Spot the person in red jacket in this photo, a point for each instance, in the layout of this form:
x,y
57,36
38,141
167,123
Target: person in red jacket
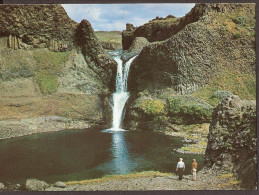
x,y
194,169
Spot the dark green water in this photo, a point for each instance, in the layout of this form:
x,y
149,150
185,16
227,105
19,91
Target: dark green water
x,y
83,154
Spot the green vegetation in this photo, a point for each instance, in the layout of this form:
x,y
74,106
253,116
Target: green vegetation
x,y
241,20
48,66
48,83
15,64
164,21
236,35
109,36
243,85
226,175
153,107
191,110
143,93
49,61
236,23
120,177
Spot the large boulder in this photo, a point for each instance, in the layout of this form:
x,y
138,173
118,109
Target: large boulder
x,y
35,185
2,186
138,44
60,184
232,139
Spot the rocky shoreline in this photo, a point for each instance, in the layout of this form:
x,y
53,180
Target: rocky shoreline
x,y
194,137
28,126
207,179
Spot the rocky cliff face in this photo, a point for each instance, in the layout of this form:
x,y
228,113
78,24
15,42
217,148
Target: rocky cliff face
x,y
42,26
211,39
232,139
97,59
160,29
53,68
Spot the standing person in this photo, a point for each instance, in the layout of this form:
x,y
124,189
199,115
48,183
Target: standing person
x,y
180,168
194,169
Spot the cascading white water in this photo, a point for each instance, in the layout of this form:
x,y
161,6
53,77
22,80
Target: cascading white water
x,y
121,95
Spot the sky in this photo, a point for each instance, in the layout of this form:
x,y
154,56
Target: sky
x,y
108,17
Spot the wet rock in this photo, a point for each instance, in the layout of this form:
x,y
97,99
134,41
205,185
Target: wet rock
x,y
135,48
127,55
60,184
35,185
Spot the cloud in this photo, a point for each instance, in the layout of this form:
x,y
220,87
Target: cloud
x,y
79,12
109,17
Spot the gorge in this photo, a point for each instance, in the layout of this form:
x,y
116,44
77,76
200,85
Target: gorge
x,y
181,87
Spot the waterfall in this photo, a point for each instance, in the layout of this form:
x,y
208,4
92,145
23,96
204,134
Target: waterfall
x,y
121,95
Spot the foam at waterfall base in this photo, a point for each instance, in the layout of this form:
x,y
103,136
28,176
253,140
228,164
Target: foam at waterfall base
x,y
113,130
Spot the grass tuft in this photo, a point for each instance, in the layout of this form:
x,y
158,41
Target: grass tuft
x,y
226,175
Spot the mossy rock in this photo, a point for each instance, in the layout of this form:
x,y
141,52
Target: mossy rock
x,y
189,112
153,107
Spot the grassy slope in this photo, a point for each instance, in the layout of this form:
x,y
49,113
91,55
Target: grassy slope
x,y
238,24
42,64
109,36
48,66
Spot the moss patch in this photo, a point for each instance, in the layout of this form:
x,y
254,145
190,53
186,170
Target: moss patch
x,y
49,61
48,66
240,22
48,83
154,107
191,111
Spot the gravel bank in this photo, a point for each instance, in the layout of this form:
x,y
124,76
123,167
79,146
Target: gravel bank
x,y
206,180
17,128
